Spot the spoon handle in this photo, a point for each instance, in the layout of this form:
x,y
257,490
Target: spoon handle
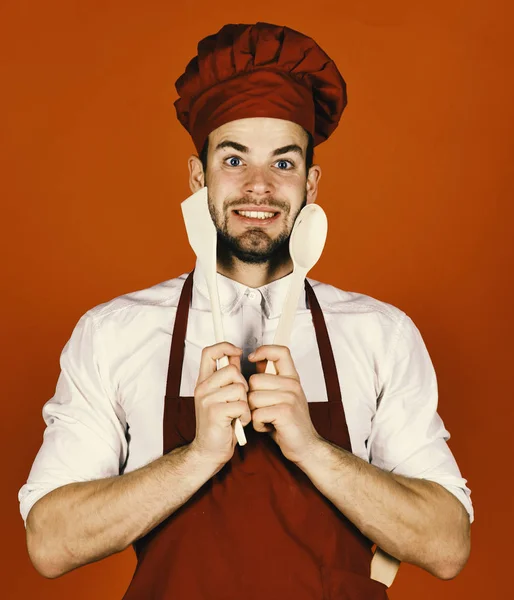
x,y
285,324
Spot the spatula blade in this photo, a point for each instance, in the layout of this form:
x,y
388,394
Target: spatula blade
x,y
200,228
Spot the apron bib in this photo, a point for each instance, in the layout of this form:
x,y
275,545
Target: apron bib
x,y
259,529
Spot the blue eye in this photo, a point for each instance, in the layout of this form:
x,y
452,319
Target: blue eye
x,y
284,165
233,161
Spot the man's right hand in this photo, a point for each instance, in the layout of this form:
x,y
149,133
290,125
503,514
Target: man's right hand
x,y
220,397
84,521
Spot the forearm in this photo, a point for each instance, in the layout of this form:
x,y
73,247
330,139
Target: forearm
x,y
414,520
83,522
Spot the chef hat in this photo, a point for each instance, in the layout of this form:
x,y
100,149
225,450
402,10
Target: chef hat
x,y
260,70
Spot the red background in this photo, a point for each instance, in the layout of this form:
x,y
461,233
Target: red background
x,y
417,186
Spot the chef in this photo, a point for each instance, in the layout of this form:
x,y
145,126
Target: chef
x,y
345,447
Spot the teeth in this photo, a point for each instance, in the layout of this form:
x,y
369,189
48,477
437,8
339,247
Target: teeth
x,y
255,215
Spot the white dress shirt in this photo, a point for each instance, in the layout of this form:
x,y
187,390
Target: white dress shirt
x,y
105,417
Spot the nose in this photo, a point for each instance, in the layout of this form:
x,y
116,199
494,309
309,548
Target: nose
x,y
258,181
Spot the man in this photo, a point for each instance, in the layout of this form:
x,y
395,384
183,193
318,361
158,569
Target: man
x,y
345,447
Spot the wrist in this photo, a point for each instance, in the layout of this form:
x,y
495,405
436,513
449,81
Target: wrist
x,y
202,459
313,454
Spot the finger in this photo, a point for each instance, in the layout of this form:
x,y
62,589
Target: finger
x,y
230,393
219,379
262,418
266,381
236,361
260,399
262,427
210,354
280,355
235,410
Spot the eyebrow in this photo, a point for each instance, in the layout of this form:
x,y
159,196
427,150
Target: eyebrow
x,y
234,145
245,149
286,149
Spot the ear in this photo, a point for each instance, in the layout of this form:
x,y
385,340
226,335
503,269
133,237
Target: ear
x,y
196,174
311,186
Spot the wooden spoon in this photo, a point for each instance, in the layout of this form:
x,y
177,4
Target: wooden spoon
x,y
305,247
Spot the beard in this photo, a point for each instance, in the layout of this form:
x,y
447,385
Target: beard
x,y
254,246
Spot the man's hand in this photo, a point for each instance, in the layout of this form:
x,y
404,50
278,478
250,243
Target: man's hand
x,y
279,405
220,397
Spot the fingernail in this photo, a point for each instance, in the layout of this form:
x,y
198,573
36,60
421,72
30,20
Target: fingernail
x,y
251,355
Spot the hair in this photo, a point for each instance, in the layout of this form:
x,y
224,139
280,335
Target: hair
x,y
309,156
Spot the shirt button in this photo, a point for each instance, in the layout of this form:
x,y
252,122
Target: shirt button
x,y
253,340
251,295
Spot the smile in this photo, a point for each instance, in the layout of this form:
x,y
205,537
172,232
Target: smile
x,y
254,217
255,214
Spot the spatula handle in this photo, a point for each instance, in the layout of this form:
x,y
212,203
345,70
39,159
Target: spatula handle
x,y
223,361
238,426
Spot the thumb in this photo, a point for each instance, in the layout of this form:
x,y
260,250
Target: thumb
x,y
236,361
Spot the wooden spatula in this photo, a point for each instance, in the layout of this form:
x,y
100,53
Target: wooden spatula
x,y
202,236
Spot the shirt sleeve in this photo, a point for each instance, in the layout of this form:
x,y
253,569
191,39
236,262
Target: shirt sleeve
x,y
408,437
84,437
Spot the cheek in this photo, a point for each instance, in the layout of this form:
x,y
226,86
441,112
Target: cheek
x,y
292,190
221,192
293,182
222,184
216,187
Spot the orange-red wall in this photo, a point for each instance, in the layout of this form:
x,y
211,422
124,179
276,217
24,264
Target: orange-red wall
x,y
417,185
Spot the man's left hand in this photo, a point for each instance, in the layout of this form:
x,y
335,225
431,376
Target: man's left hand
x,y
279,405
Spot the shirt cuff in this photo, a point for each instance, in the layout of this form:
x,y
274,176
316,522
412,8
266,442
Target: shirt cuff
x,y
29,495
461,493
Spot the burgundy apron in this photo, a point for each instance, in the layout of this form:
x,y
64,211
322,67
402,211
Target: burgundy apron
x,y
259,529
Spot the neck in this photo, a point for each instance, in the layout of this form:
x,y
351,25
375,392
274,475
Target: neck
x,y
254,275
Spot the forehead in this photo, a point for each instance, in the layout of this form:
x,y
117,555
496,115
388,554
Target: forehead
x,y
260,132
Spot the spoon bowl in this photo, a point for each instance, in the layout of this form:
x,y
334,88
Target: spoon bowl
x,y
308,236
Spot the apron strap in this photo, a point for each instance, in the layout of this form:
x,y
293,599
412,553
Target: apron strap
x,y
325,347
178,339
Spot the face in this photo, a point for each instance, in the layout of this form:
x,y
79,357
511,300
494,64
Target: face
x,y
257,184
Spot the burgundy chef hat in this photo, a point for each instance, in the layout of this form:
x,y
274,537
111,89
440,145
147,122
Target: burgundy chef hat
x,y
260,70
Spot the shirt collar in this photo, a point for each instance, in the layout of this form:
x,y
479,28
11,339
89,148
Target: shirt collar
x,y
232,293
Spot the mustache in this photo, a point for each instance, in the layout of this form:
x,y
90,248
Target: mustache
x,y
269,202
